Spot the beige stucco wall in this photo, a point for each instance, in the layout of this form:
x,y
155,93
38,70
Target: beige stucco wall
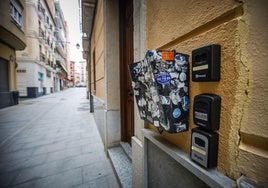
x,y
105,46
186,25
97,44
31,51
253,146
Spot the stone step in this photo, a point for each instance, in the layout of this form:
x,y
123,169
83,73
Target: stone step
x,y
127,149
122,165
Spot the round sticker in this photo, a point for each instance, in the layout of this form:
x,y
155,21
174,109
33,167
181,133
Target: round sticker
x,y
163,78
151,53
179,59
182,76
176,113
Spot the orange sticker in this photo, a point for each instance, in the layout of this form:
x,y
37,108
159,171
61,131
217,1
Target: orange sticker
x,y
168,56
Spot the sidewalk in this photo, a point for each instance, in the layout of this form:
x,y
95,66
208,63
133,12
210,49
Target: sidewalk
x,y
53,141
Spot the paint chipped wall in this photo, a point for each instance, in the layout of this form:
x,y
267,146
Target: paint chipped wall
x,y
186,25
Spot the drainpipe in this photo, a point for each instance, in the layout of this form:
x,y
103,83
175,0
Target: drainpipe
x,y
91,104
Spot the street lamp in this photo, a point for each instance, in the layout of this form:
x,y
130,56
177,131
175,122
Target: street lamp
x,y
77,46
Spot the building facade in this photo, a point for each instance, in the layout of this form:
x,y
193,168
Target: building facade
x,y
61,48
81,73
41,66
12,38
120,33
72,74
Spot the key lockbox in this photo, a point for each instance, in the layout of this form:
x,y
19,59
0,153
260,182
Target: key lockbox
x,y
204,147
206,111
206,63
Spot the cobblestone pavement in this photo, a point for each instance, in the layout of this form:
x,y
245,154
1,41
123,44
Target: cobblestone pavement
x,y
53,141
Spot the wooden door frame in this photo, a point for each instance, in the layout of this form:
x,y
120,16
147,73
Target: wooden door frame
x,y
123,74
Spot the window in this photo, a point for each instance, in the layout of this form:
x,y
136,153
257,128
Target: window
x,y
16,12
47,20
21,71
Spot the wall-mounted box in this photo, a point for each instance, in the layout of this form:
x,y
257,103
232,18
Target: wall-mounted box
x,y
204,147
206,62
206,111
161,85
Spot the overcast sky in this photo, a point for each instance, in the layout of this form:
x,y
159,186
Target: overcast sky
x,y
70,9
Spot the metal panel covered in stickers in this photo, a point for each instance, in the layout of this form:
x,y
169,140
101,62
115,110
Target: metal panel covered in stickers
x,y
161,87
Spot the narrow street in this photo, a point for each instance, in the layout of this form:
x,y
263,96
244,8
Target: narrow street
x,y
53,141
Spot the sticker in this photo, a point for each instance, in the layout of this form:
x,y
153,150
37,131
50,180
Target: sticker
x,y
163,78
180,59
176,113
201,116
183,76
168,56
201,67
186,103
202,152
180,126
151,53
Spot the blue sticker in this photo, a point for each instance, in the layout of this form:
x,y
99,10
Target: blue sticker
x,y
163,78
183,77
151,53
186,103
179,57
176,113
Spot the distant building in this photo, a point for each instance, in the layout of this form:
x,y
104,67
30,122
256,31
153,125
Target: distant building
x,y
72,74
81,73
42,67
67,58
61,47
12,38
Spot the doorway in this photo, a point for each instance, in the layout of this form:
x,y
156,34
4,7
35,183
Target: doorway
x,y
126,58
4,83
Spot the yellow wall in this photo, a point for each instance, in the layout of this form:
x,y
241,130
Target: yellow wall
x,y
97,44
9,54
253,146
186,25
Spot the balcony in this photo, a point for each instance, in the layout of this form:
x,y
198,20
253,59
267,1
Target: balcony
x,y
42,57
50,30
41,11
51,48
41,34
61,71
61,49
60,61
85,43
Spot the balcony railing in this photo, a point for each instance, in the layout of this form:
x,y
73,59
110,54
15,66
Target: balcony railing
x,y
60,60
41,10
42,57
61,49
41,33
